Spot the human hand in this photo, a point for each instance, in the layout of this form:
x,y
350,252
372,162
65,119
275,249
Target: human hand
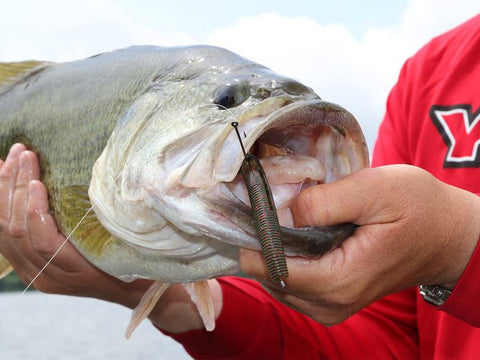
x,y
29,237
413,229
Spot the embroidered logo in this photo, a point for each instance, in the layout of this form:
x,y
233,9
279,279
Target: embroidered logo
x,y
458,127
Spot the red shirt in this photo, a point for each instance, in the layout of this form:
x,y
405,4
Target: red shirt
x,y
432,121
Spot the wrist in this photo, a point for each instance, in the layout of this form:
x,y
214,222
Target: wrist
x,y
460,304
464,232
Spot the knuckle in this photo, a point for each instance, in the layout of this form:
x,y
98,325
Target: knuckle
x,y
43,247
17,229
306,205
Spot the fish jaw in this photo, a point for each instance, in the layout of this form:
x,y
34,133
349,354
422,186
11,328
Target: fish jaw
x,y
299,143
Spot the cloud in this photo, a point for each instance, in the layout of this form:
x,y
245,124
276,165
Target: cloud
x,y
58,30
356,73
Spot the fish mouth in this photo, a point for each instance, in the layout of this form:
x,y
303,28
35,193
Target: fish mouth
x,y
302,144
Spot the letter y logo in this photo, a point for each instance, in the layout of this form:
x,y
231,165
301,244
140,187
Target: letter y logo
x,y
458,127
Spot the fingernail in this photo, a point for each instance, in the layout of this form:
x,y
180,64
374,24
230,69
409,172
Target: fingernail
x,y
15,150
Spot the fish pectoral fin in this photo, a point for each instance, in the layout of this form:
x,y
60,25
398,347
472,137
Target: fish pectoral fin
x,y
201,296
5,267
146,305
90,236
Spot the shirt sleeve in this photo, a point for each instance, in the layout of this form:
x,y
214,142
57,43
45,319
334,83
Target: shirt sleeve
x,y
253,325
462,302
393,147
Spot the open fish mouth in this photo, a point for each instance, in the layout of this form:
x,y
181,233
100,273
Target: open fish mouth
x,y
302,144
202,205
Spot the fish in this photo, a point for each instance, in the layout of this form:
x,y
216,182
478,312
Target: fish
x,y
136,148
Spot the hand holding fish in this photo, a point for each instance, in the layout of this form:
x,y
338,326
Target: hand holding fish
x,y
29,237
412,229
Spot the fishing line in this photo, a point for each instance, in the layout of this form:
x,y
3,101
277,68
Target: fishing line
x,y
19,298
57,251
30,284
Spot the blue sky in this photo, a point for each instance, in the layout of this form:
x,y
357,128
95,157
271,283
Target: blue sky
x,y
349,51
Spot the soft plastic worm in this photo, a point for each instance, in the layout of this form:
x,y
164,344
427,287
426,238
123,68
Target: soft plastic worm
x,y
264,215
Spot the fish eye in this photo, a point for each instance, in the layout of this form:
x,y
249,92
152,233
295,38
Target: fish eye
x,y
228,96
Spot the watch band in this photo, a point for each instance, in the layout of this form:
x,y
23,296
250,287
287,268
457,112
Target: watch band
x,y
434,294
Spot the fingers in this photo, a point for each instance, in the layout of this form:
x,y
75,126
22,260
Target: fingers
x,y
27,171
253,264
25,212
293,295
313,287
303,272
44,236
361,198
8,177
322,312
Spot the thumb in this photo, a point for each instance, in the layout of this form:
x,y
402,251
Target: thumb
x,y
363,197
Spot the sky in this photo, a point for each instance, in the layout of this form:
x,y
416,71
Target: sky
x,y
349,51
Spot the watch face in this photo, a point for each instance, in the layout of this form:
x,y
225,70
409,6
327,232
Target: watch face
x,y
435,294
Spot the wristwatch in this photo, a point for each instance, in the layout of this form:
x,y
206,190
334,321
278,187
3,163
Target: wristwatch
x,y
434,294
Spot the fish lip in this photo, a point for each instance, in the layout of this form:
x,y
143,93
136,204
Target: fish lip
x,y
309,113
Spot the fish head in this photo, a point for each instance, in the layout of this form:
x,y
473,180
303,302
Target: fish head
x,y
167,184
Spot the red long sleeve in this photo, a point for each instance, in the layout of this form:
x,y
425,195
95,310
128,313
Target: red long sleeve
x,y
430,118
253,325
